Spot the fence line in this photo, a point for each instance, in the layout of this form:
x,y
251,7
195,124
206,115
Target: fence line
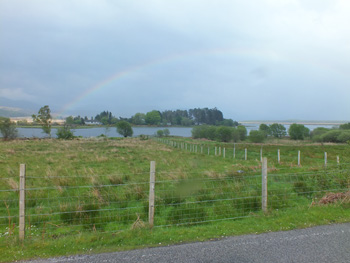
x,y
199,198
217,152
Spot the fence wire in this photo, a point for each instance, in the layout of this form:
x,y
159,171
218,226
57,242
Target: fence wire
x,y
68,205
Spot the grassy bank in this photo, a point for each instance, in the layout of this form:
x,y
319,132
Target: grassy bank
x,y
93,193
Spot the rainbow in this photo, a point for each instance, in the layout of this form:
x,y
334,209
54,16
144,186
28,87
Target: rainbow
x,y
255,53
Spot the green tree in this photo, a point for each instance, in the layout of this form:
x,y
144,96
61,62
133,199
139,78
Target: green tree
x,y
153,118
265,128
7,129
139,119
186,121
298,132
278,130
44,119
257,136
70,120
124,128
345,126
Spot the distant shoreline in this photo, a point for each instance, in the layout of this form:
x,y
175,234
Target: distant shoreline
x,y
298,122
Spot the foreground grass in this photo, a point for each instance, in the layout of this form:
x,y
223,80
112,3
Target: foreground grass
x,y
57,170
89,243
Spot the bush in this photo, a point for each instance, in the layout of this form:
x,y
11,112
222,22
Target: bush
x,y
344,137
160,133
204,131
166,132
298,132
331,136
242,132
265,128
124,128
65,133
277,130
257,136
224,134
345,126
235,135
8,129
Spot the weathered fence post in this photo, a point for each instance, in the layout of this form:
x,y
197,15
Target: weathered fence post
x,y
234,151
279,156
325,159
245,154
264,186
152,182
299,162
220,150
261,154
208,150
338,160
216,149
201,148
224,152
22,201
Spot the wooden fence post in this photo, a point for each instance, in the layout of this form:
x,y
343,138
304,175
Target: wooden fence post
x,y
224,152
234,151
152,182
338,160
264,186
220,150
216,149
208,150
279,156
299,161
202,149
261,154
245,154
325,159
22,201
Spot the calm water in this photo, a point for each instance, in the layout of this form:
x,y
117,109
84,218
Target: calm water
x,y
112,132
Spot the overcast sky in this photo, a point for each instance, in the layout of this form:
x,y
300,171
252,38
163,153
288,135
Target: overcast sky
x,y
252,59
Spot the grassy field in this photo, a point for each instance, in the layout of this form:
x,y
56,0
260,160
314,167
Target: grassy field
x,y
91,195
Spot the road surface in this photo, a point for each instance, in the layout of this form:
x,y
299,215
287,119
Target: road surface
x,y
329,244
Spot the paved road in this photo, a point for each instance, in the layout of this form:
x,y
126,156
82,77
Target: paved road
x,y
318,244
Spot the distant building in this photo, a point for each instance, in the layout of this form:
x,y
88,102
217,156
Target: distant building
x,y
92,122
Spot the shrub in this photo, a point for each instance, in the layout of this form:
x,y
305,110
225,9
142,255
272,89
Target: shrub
x,y
8,129
242,132
166,132
331,136
298,132
235,135
345,126
224,134
257,136
160,133
65,133
277,130
124,128
344,137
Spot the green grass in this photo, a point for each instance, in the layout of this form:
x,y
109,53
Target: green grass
x,y
87,193
88,243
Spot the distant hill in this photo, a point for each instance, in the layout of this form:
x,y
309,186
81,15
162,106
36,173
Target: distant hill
x,y
9,112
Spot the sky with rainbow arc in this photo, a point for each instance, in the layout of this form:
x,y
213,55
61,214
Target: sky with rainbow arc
x,y
253,60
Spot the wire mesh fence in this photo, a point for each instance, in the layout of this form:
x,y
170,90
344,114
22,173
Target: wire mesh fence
x,y
66,205
297,155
